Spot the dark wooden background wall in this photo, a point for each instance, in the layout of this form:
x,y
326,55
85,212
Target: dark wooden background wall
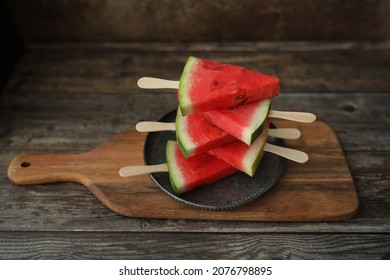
x,y
59,21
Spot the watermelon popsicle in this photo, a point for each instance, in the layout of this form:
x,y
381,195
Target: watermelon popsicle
x,y
157,83
246,122
247,158
206,85
186,174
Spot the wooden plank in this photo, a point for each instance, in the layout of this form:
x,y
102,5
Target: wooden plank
x,y
108,245
113,70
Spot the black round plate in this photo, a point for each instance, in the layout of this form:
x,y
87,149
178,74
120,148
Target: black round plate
x,y
230,192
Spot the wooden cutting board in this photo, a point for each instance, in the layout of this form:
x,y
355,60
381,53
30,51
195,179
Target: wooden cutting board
x,y
320,190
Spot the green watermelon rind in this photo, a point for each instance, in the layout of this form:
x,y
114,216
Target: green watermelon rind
x,y
253,130
186,146
176,178
185,85
182,146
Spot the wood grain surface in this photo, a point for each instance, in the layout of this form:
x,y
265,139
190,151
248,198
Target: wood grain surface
x,y
202,246
73,98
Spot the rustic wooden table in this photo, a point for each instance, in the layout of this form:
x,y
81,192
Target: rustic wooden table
x,y
72,98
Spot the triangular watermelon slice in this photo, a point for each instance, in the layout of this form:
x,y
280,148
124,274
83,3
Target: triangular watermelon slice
x,y
244,122
206,85
188,173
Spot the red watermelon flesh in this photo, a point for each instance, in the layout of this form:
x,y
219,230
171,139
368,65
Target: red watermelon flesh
x,y
196,134
245,122
206,85
188,173
241,156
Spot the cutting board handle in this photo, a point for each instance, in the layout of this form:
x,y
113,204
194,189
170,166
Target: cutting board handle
x,y
39,168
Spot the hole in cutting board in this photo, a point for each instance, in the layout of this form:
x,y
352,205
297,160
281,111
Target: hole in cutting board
x,y
25,164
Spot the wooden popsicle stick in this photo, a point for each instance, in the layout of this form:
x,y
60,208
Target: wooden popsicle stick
x,y
288,153
291,154
128,171
156,83
293,116
145,126
285,133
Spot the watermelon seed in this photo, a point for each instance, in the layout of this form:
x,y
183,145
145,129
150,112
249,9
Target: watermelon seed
x,y
241,99
214,84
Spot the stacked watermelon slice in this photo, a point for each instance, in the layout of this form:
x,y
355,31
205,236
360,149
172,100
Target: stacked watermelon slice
x,y
221,122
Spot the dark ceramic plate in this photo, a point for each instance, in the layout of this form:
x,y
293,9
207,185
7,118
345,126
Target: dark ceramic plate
x,y
230,192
